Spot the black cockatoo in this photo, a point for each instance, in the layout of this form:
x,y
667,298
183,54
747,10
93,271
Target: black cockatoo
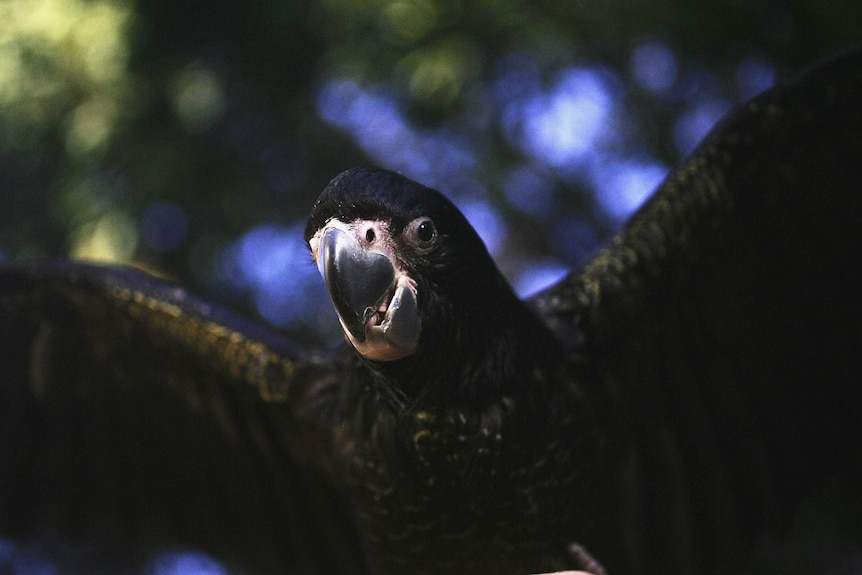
x,y
665,409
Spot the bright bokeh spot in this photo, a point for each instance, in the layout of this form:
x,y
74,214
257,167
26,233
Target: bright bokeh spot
x,y
560,126
272,264
654,67
112,237
691,127
436,74
487,223
374,118
410,20
538,275
198,98
185,563
753,76
82,49
90,127
623,185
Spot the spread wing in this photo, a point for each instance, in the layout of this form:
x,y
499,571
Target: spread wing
x,y
723,326
136,419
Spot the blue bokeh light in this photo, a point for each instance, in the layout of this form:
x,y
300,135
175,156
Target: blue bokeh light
x,y
272,263
561,126
18,559
50,556
164,226
622,185
690,128
185,563
374,118
572,126
753,76
537,275
487,223
654,67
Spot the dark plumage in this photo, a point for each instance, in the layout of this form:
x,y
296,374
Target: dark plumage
x,y
659,411
444,444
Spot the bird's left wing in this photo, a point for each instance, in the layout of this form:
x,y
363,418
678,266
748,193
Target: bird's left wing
x,y
137,419
721,327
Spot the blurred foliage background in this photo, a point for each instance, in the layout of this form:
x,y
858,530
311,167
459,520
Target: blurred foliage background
x,y
191,138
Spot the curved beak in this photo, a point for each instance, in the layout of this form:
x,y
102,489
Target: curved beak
x,y
358,279
376,300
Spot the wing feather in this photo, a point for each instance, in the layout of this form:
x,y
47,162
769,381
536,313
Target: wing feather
x,y
723,325
137,417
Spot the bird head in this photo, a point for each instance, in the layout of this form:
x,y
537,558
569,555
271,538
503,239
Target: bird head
x,y
400,261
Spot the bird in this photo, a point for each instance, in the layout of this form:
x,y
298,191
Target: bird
x,y
670,407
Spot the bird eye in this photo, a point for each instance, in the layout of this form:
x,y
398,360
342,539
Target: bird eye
x,y
425,231
422,231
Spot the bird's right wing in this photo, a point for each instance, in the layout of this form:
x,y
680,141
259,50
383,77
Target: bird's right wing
x,y
720,333
136,419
